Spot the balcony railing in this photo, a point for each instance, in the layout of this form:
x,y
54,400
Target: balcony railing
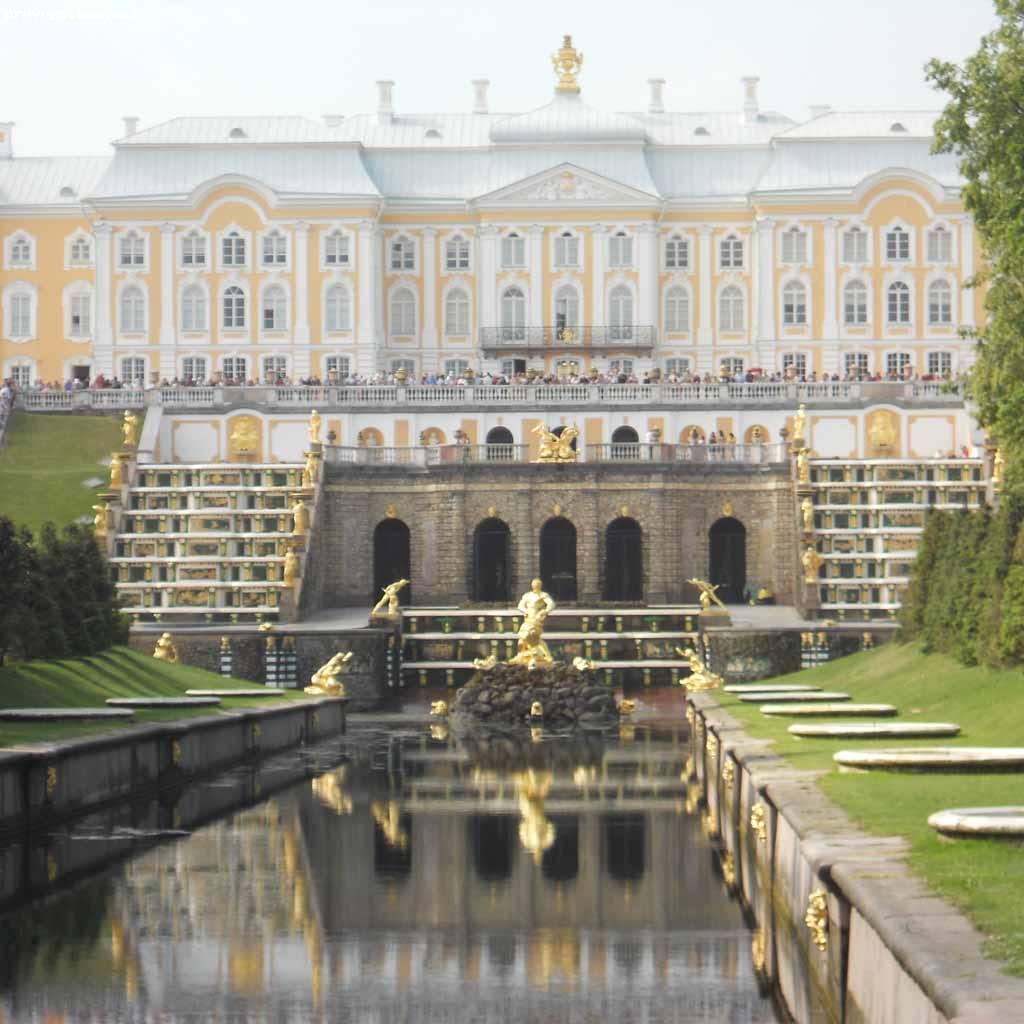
x,y
568,339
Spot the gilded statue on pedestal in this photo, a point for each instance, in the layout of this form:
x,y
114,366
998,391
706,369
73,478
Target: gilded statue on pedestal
x,y
165,649
130,429
389,598
326,680
701,677
556,447
314,427
707,593
535,606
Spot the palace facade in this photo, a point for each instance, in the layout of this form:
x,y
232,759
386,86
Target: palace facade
x,y
564,239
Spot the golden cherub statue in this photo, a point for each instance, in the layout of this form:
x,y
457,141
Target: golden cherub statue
x,y
556,447
326,680
707,593
291,568
807,511
535,606
800,423
300,518
165,649
700,677
130,429
811,561
389,598
314,427
99,522
116,471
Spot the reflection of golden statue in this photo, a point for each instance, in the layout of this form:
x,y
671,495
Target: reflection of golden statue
x,y
535,606
556,447
568,63
99,522
799,423
388,817
116,471
812,563
291,568
807,511
165,649
326,680
314,427
701,678
330,790
707,593
389,598
130,429
536,832
300,518
803,466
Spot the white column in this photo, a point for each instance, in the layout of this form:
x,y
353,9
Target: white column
x,y
765,280
103,349
967,272
368,332
167,335
599,247
704,269
536,258
830,327
429,288
647,274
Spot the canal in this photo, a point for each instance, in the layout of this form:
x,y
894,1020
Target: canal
x,y
395,874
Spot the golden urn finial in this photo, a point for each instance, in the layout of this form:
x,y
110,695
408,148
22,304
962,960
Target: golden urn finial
x,y
567,64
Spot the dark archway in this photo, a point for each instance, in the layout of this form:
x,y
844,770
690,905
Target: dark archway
x,y
558,558
492,544
500,445
392,559
728,559
625,846
623,561
561,862
492,842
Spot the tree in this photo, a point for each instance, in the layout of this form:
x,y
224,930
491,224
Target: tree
x,y
983,124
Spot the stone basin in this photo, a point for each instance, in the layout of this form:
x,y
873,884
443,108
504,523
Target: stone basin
x,y
934,759
258,691
768,688
791,698
62,714
163,702
871,730
823,710
980,821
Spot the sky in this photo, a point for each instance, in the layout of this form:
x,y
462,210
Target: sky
x,y
70,71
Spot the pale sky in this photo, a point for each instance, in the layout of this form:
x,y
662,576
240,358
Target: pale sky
x,y
70,71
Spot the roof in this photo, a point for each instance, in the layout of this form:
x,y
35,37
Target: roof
x,y
38,181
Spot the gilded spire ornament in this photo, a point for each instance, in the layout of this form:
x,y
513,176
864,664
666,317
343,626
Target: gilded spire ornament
x,y
567,64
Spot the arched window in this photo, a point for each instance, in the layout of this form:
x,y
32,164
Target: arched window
x,y
133,310
940,245
456,312
275,309
234,308
513,314
794,245
193,250
275,249
730,309
513,250
403,254
567,309
897,244
940,303
336,249
456,253
193,309
338,308
620,250
232,250
567,250
855,245
131,250
794,304
677,253
855,303
677,309
620,309
898,304
19,253
403,312
133,370
730,253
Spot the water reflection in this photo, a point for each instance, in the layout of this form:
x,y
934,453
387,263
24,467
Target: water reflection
x,y
425,879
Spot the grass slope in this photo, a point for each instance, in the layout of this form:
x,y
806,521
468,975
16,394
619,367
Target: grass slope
x,y
44,462
88,682
984,877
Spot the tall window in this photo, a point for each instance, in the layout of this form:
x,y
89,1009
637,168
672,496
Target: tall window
x,y
403,254
336,249
794,304
730,253
193,309
275,309
940,245
341,366
456,253
403,312
274,368
620,306
897,364
856,364
513,251
21,315
20,252
677,253
338,308
730,309
193,368
456,312
897,244
898,303
236,368
81,251
855,245
131,250
234,308
677,367
794,245
795,362
133,370
855,303
513,314
133,310
677,309
940,303
455,367
940,364
567,250
81,316
275,249
232,250
620,250
193,250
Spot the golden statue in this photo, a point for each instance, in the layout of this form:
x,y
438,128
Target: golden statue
x,y
116,471
807,511
309,471
707,593
389,598
556,447
803,466
326,680
812,563
300,518
291,568
314,427
535,606
701,677
99,522
799,423
567,63
130,429
536,832
165,649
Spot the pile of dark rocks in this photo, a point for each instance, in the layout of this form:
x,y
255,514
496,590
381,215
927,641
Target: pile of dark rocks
x,y
506,693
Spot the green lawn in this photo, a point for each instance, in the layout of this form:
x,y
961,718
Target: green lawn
x,y
88,682
984,877
45,461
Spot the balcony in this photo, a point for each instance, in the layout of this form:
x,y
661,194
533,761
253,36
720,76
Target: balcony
x,y
559,338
